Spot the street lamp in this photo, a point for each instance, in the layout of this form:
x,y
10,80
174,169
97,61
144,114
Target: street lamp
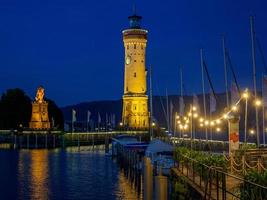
x,y
258,102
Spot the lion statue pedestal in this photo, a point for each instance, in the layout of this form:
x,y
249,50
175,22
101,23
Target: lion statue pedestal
x,y
39,119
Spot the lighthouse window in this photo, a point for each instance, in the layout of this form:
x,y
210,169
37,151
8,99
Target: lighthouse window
x,y
142,61
134,46
142,47
134,74
127,89
127,46
134,60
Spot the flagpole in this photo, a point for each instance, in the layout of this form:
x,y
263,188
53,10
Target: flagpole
x,y
254,75
181,92
175,125
98,123
203,90
191,126
151,105
225,71
246,117
167,107
87,123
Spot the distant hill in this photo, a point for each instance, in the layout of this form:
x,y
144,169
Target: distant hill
x,y
159,108
109,107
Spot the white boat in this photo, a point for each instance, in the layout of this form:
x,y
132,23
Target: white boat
x,y
161,155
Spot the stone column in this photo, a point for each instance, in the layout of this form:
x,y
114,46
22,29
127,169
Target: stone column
x,y
233,124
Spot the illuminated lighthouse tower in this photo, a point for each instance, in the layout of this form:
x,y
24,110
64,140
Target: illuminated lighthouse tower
x,y
135,100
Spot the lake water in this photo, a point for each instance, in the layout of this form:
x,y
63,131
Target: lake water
x,y
62,174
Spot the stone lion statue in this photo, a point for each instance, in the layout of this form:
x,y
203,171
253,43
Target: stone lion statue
x,y
40,95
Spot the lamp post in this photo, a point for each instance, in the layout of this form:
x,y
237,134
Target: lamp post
x,y
246,96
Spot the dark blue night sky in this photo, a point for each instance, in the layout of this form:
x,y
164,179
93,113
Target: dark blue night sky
x,y
74,48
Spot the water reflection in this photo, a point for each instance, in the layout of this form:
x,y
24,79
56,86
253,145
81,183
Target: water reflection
x,y
65,174
33,174
129,187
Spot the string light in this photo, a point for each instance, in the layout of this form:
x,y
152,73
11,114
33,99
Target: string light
x,y
218,129
234,108
257,102
218,121
245,95
251,131
224,116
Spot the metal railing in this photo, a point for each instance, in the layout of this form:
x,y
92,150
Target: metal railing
x,y
218,184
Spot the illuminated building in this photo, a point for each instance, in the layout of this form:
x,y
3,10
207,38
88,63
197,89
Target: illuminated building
x,y
135,100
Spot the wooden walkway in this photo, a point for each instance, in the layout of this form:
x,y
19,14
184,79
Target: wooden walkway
x,y
215,189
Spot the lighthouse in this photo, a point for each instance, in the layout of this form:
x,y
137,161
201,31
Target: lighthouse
x,y
135,99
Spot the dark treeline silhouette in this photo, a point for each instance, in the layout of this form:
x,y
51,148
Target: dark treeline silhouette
x,y
16,108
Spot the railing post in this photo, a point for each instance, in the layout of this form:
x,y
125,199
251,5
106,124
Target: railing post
x,y
217,184
223,187
243,165
193,172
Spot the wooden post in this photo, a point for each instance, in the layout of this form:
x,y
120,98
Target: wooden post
x,y
148,179
161,187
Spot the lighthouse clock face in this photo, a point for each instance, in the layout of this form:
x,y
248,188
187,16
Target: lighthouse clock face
x,y
128,60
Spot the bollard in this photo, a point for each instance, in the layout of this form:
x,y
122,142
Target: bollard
x,y
106,145
161,187
148,179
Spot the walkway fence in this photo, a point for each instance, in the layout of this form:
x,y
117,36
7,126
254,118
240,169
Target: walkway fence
x,y
215,183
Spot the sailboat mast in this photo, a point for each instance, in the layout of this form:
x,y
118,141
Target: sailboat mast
x,y
254,75
181,97
225,72
151,105
167,108
203,90
263,111
181,83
